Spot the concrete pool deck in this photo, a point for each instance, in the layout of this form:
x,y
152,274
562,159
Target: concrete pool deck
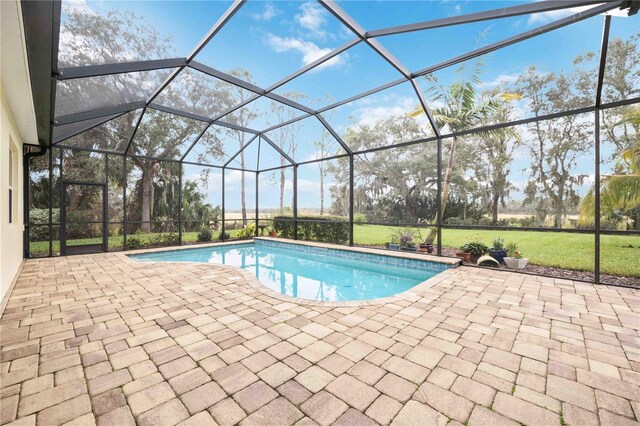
x,y
105,339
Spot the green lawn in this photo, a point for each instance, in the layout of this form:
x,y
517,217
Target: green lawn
x,y
562,250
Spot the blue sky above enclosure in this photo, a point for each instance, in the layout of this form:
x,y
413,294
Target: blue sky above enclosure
x,y
271,40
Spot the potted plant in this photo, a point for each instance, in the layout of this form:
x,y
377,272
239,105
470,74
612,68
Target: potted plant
x,y
515,259
498,251
405,240
464,254
393,243
409,247
472,251
272,232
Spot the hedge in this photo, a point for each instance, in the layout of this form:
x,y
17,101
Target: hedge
x,y
332,229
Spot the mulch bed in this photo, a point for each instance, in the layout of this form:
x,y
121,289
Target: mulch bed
x,y
569,274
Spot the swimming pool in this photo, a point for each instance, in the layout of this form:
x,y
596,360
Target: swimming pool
x,y
310,272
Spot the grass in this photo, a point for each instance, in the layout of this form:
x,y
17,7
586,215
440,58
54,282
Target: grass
x,y
561,250
115,242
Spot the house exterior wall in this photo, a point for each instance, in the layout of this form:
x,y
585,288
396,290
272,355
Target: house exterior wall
x,y
11,233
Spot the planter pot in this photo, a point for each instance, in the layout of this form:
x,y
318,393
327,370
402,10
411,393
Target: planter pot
x,y
386,245
408,248
273,234
514,263
498,255
426,248
466,257
394,247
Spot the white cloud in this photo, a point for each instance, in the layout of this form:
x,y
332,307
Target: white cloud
x,y
312,18
77,5
269,12
552,15
393,106
309,50
499,80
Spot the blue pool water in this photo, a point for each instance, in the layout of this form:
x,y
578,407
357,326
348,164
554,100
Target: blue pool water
x,y
312,272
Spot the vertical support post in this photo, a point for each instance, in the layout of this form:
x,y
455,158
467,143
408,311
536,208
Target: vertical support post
x,y
351,200
257,189
597,196
257,198
601,70
439,198
105,207
180,203
222,227
50,202
295,202
124,202
62,230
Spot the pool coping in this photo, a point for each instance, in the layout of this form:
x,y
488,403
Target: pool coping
x,y
380,252
252,280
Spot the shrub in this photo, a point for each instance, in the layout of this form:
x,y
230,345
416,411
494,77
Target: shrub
x,y
476,248
469,221
248,231
334,229
360,218
41,216
204,235
453,221
485,221
527,222
168,239
134,243
224,236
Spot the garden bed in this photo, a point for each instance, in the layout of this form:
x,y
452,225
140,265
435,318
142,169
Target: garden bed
x,y
570,274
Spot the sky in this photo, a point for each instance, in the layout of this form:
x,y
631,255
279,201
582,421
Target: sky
x,y
273,39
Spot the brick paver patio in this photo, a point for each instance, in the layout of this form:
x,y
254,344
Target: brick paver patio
x,y
103,339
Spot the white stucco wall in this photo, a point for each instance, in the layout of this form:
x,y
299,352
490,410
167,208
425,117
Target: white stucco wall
x,y
10,233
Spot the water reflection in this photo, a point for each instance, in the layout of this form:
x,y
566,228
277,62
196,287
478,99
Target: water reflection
x,y
304,275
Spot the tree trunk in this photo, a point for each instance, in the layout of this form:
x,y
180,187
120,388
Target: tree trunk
x,y
243,192
321,189
147,200
431,233
282,178
494,208
558,216
447,176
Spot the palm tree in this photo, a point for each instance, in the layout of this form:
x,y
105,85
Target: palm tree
x,y
458,107
620,191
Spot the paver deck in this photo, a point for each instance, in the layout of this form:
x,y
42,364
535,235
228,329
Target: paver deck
x,y
102,339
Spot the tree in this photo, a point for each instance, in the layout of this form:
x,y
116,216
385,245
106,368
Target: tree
x,y
322,151
493,156
555,145
195,209
243,117
460,109
388,185
286,137
97,39
619,191
621,77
